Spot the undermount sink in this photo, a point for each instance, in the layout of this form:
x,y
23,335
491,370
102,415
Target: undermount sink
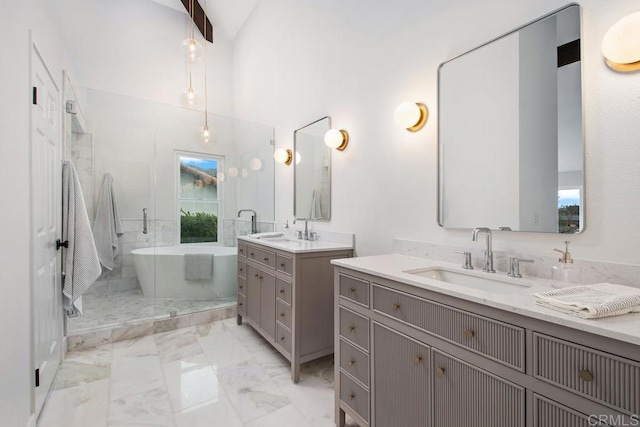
x,y
474,281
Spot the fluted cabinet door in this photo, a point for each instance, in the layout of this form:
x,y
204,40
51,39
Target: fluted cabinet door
x,y
253,294
401,371
268,303
464,395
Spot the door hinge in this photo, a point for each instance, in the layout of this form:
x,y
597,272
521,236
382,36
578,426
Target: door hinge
x,y
37,377
35,96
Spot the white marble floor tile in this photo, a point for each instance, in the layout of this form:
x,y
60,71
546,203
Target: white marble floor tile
x,y
137,347
72,373
223,349
190,382
80,406
287,416
151,407
250,390
133,375
216,413
313,398
100,355
177,345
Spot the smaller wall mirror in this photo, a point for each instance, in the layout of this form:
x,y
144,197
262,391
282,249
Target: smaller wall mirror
x,y
312,172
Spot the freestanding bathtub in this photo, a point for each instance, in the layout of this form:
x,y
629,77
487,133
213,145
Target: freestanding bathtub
x,y
166,265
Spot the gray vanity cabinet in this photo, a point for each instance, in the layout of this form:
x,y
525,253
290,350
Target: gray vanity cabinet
x,y
288,299
410,357
401,368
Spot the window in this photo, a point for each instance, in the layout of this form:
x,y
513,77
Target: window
x,y
199,198
569,211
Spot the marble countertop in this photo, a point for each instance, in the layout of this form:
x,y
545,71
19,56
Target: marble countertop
x,y
393,267
297,246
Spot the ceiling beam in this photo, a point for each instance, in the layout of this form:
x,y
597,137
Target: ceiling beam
x,y
199,17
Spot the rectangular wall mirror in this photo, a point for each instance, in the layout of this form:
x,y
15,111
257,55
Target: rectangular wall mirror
x,y
510,143
312,172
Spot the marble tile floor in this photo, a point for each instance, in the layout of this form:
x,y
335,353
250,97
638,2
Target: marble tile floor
x,y
216,374
115,308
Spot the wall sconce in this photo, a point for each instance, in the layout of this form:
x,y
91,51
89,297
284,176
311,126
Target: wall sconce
x,y
411,115
336,138
255,164
283,156
621,44
233,172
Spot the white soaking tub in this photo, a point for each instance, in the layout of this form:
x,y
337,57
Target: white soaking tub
x,y
166,265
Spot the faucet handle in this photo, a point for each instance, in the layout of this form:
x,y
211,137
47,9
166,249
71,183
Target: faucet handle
x,y
468,264
300,234
313,236
514,266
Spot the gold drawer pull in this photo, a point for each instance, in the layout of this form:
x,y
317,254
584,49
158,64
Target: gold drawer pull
x,y
241,269
352,396
352,362
469,333
417,359
352,290
241,287
257,275
396,306
282,291
282,314
261,277
240,304
251,254
266,259
352,328
282,338
282,264
440,371
586,375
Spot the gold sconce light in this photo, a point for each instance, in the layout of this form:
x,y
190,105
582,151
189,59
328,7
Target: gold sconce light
x,y
411,115
282,155
336,138
621,44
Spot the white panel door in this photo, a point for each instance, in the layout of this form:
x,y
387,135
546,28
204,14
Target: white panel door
x,y
45,208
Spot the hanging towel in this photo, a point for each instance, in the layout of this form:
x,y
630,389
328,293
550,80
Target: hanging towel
x,y
198,266
107,225
80,263
316,210
592,301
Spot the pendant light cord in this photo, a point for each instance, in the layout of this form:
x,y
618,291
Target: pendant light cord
x,y
204,54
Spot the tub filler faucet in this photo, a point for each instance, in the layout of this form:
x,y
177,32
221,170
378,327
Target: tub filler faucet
x,y
254,223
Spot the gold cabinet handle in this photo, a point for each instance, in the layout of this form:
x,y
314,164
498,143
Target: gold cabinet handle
x,y
241,269
352,328
352,290
282,291
585,375
240,304
282,338
241,287
282,314
440,371
396,306
469,333
352,396
261,277
266,259
251,254
352,362
417,359
282,264
257,275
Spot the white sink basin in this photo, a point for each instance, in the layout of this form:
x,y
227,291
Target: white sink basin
x,y
488,283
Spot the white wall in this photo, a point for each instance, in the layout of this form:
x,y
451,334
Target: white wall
x,y
16,366
297,60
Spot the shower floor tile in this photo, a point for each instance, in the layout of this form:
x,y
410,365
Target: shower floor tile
x,y
119,307
200,388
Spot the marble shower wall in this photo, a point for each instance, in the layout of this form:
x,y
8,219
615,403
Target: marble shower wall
x,y
232,228
591,271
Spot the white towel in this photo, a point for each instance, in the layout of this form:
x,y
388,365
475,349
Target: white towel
x,y
80,263
107,226
316,210
592,301
198,266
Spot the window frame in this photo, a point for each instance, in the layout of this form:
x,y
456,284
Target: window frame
x,y
219,201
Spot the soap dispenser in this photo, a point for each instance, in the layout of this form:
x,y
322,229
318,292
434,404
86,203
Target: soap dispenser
x,y
565,273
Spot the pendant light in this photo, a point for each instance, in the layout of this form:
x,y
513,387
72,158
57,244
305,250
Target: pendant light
x,y
189,97
207,140
191,48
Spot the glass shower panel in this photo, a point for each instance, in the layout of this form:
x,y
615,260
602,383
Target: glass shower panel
x,y
117,143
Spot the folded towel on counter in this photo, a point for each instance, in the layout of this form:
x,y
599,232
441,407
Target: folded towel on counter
x,y
198,266
592,301
269,235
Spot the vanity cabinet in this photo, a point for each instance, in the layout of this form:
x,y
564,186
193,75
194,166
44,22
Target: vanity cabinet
x,y
423,358
288,298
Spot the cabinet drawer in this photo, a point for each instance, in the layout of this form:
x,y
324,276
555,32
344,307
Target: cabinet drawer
x,y
242,286
549,413
354,396
242,269
283,290
283,314
263,257
242,249
354,289
284,264
605,378
355,362
242,304
499,341
283,338
354,328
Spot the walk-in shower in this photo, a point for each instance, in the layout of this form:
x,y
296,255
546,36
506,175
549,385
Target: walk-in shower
x,y
177,197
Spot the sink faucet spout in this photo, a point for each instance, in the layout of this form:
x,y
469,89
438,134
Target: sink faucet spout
x,y
488,254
